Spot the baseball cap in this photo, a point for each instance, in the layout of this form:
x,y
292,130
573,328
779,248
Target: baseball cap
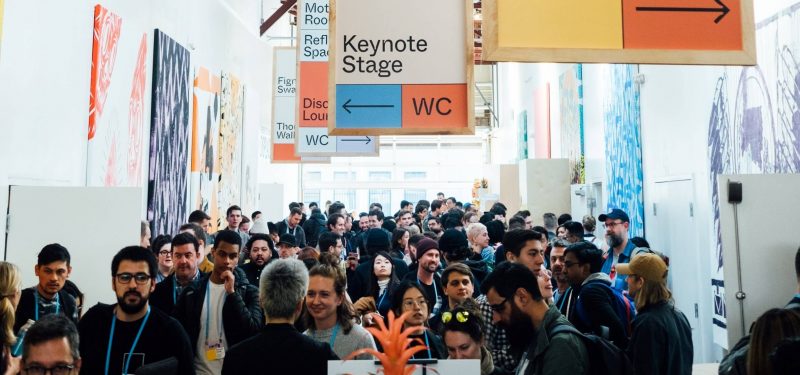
x,y
287,239
615,214
647,265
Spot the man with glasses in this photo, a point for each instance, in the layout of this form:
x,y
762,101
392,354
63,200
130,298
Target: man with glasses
x,y
185,254
517,305
620,249
121,338
590,304
51,345
221,309
48,296
526,248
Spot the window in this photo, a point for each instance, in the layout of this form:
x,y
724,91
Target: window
x,y
414,176
311,195
380,176
343,176
382,196
414,195
346,196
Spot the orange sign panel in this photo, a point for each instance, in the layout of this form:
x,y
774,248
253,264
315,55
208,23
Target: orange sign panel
x,y
717,32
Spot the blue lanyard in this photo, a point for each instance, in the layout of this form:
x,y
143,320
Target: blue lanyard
x,y
133,347
428,345
36,297
564,297
174,290
333,336
208,314
383,297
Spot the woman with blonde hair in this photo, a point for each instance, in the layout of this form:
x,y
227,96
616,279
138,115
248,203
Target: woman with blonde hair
x,y
10,292
478,237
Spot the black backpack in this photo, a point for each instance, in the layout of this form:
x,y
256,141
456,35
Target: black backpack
x,y
604,357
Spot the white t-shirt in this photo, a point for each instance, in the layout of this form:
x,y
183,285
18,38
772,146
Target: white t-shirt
x,y
216,332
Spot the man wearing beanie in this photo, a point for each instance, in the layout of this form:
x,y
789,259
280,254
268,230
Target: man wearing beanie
x,y
429,259
375,239
455,249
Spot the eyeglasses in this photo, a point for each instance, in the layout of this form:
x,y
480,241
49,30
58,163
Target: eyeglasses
x,y
55,370
461,316
568,264
410,303
611,225
125,278
165,252
500,306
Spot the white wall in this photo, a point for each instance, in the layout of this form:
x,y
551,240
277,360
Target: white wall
x,y
45,73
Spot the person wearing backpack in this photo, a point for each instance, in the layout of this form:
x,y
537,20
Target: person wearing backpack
x,y
512,291
661,341
598,308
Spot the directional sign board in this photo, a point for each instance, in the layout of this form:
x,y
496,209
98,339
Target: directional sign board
x,y
401,67
284,95
312,132
716,32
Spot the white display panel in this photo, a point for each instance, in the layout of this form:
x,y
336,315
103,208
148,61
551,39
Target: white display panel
x,y
460,367
93,223
767,233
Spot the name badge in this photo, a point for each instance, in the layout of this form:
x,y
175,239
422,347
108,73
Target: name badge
x,y
215,352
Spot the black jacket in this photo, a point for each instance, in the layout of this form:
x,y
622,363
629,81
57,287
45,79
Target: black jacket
x,y
598,304
26,309
358,280
661,342
278,349
164,296
298,233
241,315
313,228
253,272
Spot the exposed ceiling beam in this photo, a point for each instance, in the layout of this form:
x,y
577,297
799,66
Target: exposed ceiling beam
x,y
285,6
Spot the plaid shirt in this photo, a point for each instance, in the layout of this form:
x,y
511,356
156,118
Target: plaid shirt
x,y
496,339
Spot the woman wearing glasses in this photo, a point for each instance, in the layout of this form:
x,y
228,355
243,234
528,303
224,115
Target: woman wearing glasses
x,y
410,297
463,335
162,249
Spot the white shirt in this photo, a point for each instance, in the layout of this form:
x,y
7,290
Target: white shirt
x,y
215,330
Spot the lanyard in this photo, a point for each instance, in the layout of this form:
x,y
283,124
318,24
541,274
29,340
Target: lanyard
x,y
208,314
174,290
428,345
333,336
36,311
133,347
383,297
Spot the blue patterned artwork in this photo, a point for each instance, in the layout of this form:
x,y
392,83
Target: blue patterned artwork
x,y
169,137
624,147
571,108
754,125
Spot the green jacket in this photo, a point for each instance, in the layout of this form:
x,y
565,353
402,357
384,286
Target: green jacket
x,y
564,354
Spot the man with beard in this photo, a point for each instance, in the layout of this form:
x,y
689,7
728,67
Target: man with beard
x,y
260,249
524,247
121,338
517,304
48,296
185,255
428,257
619,248
220,310
435,226
557,267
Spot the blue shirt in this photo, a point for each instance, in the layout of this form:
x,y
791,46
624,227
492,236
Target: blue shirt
x,y
620,283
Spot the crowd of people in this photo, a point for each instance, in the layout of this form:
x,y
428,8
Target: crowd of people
x,y
260,297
